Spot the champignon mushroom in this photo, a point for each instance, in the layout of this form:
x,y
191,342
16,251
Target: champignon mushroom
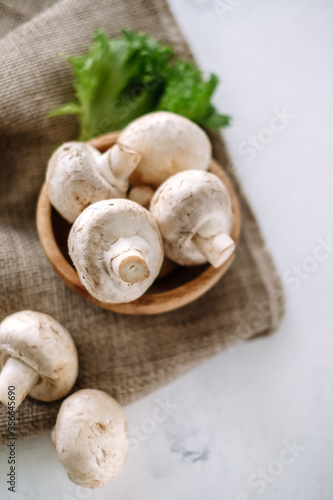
x,y
90,436
194,214
117,250
168,143
38,357
141,195
79,175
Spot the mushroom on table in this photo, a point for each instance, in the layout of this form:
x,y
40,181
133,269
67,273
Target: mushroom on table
x,y
79,175
168,143
194,214
117,250
90,436
38,357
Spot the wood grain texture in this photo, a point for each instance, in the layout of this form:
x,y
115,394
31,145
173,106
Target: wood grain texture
x,y
180,287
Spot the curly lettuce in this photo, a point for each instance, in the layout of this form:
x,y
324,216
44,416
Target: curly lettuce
x,y
120,79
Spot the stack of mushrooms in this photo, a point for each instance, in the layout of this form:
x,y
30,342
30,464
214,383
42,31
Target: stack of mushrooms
x,y
148,197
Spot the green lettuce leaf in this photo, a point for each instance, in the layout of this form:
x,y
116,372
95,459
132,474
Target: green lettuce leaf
x,y
123,78
188,93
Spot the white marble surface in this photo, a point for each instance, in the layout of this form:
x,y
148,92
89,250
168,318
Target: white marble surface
x,y
234,415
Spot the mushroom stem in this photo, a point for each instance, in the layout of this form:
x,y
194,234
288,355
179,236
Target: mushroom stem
x,y
123,161
116,163
216,249
141,195
131,267
127,259
214,245
21,376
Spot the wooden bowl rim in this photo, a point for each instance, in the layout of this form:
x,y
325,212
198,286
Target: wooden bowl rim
x,y
149,303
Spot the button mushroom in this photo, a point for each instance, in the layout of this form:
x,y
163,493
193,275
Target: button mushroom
x,y
194,214
90,437
117,250
79,175
168,143
38,357
141,195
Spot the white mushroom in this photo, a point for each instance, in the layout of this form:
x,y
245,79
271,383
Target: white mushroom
x,y
141,195
38,357
169,143
79,175
117,250
193,211
90,437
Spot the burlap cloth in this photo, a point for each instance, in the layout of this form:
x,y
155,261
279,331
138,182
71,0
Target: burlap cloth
x,y
123,355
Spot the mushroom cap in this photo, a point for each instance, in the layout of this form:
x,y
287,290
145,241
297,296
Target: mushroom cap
x,y
74,182
90,437
182,204
169,143
41,342
93,234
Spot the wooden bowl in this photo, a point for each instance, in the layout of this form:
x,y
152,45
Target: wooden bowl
x,y
180,287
